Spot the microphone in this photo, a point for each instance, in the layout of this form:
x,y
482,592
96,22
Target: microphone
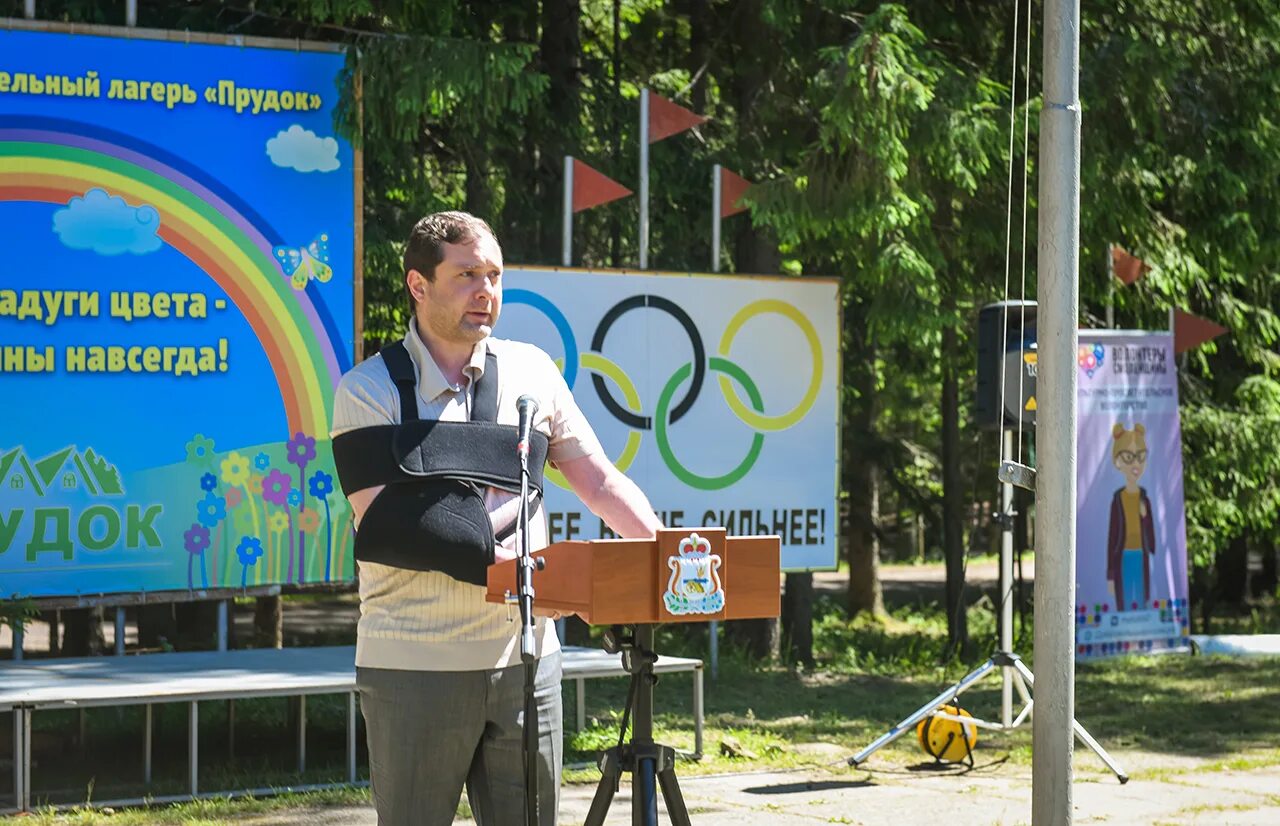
x,y
528,408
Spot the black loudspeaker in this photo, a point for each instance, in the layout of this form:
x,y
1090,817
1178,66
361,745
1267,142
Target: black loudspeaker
x,y
1006,333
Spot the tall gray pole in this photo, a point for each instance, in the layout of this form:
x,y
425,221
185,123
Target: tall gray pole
x,y
715,219
566,227
1006,585
1111,290
644,179
1058,289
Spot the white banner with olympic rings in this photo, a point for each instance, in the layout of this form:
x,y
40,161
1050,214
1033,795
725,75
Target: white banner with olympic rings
x,y
718,395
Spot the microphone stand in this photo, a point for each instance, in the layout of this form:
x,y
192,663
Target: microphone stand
x,y
525,566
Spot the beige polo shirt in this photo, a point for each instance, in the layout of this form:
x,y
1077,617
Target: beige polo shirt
x,y
427,621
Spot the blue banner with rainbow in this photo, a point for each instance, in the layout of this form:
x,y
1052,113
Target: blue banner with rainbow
x,y
177,304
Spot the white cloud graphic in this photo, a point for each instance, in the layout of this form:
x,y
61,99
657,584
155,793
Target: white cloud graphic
x,y
107,225
303,150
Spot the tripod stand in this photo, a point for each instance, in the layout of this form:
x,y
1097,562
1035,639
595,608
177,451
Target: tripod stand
x,y
1014,673
651,765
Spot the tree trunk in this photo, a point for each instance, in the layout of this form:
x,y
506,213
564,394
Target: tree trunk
x,y
197,625
1233,571
156,626
479,197
760,638
516,162
1267,581
560,48
861,479
797,618
84,636
952,495
701,33
268,623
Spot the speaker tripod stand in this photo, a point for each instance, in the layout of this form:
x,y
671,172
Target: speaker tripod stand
x,y
1014,673
651,765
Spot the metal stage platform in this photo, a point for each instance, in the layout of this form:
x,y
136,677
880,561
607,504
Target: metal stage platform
x,y
30,686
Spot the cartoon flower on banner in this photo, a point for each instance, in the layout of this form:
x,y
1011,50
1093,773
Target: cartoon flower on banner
x,y
208,482
211,510
295,498
302,449
200,450
249,551
196,541
235,469
275,487
321,485
262,461
309,521
234,497
277,522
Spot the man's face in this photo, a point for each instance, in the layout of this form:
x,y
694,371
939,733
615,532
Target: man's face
x,y
463,302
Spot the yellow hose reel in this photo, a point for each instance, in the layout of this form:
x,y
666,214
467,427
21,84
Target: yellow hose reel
x,y
946,739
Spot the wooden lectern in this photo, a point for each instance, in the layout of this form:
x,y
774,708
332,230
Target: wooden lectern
x,y
681,575
676,577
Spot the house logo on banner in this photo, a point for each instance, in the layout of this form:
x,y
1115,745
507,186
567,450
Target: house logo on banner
x,y
64,470
671,409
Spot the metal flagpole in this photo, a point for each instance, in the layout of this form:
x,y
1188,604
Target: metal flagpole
x,y
715,218
1111,289
716,184
1006,584
566,238
644,179
1058,288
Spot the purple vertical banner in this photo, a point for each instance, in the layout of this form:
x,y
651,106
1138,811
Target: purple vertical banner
x,y
1131,540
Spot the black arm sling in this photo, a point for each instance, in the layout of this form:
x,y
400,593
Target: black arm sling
x,y
431,516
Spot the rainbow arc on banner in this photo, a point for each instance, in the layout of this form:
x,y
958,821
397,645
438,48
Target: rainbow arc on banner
x,y
52,161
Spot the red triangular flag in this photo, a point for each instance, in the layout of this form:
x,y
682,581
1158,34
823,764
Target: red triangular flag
x,y
667,118
591,188
1191,331
732,187
1127,268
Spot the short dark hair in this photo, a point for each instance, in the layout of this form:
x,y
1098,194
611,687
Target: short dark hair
x,y
425,248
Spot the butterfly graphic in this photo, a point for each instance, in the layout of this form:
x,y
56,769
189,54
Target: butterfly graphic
x,y
305,263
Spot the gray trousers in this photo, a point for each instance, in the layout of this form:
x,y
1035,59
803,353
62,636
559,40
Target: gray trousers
x,y
431,732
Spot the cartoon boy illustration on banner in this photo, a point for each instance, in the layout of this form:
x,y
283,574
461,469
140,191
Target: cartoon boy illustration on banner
x,y
1131,538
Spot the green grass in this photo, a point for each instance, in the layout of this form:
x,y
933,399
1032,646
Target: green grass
x,y
1223,712
209,812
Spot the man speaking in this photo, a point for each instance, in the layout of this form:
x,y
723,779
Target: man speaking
x,y
438,668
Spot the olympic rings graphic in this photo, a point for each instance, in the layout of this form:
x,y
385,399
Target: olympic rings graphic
x,y
682,473
561,324
666,413
699,357
757,419
603,366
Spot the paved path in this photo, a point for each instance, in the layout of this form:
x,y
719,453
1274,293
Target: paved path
x,y
1164,790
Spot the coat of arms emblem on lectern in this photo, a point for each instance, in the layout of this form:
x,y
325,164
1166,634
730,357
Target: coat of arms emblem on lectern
x,y
694,586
